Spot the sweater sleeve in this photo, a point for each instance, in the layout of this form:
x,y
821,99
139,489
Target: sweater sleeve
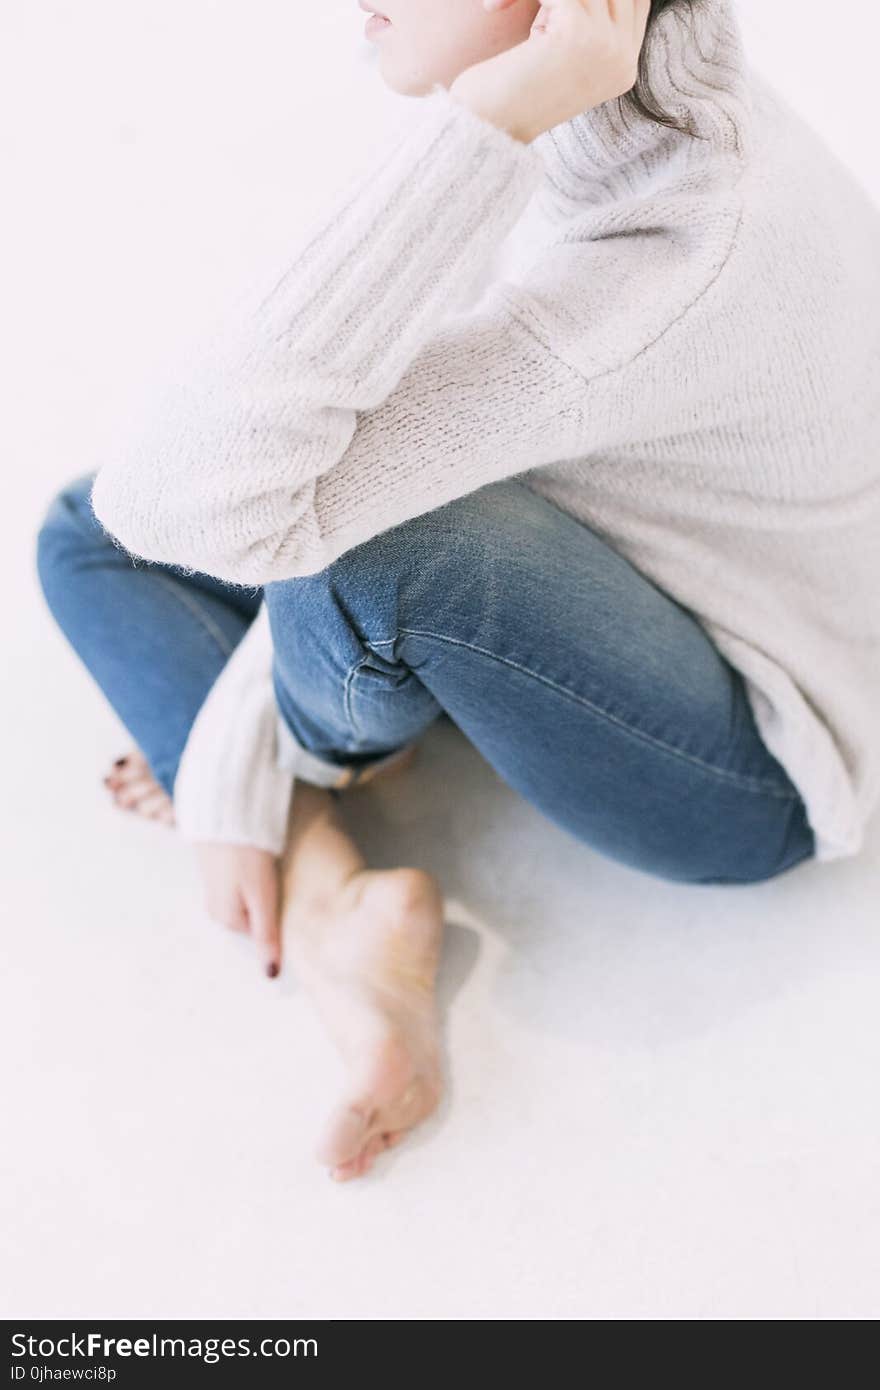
x,y
352,395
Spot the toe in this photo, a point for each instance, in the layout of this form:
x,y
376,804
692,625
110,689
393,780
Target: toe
x,y
358,1166
392,1137
135,792
371,1152
153,804
133,766
344,1137
125,799
344,1172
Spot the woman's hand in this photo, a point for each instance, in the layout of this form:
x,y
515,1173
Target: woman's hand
x,y
579,53
242,892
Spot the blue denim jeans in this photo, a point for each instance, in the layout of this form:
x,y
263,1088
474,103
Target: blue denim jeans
x,y
589,690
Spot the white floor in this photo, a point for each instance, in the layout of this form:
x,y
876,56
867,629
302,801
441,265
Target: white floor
x,y
663,1100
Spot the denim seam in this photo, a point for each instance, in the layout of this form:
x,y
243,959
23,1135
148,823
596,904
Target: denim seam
x,y
743,780
348,693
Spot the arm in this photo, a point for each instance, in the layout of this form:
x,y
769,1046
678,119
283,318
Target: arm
x,y
233,472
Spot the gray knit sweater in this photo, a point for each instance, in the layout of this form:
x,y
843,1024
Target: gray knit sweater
x,y
677,340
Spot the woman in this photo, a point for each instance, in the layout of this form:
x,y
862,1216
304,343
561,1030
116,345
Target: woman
x,y
564,423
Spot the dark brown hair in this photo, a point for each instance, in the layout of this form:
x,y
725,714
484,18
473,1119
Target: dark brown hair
x,y
640,97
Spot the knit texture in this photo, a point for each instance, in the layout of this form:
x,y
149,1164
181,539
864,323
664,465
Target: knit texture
x,y
675,338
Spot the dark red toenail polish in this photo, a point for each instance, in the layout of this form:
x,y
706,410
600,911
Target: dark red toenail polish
x,y
120,762
272,969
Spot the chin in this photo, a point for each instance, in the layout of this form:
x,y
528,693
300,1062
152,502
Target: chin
x,y
410,73
408,86
413,81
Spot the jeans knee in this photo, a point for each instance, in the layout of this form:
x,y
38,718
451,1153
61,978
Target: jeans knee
x,y
68,506
65,527
357,597
409,572
760,874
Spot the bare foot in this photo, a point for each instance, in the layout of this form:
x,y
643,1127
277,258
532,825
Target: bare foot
x,y
367,952
134,788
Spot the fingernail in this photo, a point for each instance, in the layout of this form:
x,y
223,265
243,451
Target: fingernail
x,y
272,969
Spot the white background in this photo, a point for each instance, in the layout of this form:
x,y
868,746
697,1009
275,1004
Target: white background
x,y
663,1100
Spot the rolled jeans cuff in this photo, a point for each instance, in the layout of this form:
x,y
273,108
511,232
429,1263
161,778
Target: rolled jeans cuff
x,y
310,768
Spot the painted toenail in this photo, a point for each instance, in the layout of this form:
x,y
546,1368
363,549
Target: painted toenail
x,y
272,969
120,762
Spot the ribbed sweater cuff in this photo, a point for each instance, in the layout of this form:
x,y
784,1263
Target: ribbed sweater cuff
x,y
230,786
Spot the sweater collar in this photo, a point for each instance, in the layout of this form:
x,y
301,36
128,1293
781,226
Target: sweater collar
x,y
697,69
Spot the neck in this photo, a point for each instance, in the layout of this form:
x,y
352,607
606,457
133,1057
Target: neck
x,y
697,72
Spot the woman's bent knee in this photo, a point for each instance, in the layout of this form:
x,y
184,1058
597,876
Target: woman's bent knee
x,y
68,523
69,508
798,846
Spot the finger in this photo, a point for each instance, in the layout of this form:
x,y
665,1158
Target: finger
x,y
631,14
641,15
265,923
630,17
571,11
229,911
608,9
236,919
